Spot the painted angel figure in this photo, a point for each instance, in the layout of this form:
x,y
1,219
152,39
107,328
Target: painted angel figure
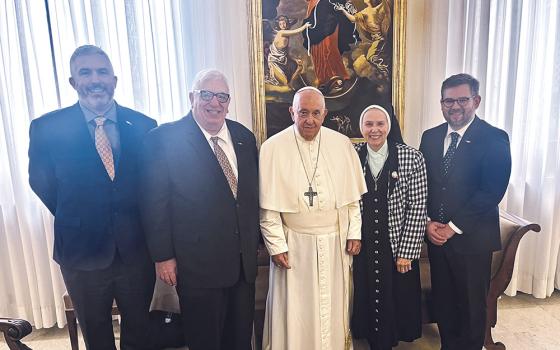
x,y
373,23
282,68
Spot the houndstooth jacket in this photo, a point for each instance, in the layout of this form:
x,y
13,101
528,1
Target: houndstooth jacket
x,y
407,199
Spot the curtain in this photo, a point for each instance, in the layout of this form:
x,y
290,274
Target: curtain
x,y
529,109
512,47
31,284
156,48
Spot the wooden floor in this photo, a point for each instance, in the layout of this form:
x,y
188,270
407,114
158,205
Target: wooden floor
x,y
524,323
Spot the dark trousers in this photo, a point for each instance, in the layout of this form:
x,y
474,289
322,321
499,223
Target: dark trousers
x,y
92,293
218,318
460,285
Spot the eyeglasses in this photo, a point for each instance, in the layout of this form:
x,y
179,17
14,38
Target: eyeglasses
x,y
461,101
207,96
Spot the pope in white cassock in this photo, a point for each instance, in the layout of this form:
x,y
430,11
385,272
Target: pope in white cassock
x,y
311,182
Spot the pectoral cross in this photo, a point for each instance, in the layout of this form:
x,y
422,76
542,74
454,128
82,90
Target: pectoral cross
x,y
310,194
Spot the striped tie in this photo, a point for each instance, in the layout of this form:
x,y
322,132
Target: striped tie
x,y
104,147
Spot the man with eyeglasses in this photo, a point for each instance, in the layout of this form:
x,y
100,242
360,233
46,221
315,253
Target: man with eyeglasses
x,y
469,164
199,205
311,184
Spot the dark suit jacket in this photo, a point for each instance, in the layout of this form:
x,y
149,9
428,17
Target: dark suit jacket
x,y
188,210
475,185
94,216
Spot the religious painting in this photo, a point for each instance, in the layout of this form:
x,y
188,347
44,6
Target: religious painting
x,y
345,48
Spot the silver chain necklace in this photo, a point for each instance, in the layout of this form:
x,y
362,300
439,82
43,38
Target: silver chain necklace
x,y
376,177
310,193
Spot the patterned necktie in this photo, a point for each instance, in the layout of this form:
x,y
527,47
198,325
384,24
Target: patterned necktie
x,y
226,166
104,147
445,164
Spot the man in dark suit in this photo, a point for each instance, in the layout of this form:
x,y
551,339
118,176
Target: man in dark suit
x,y
201,214
83,167
468,163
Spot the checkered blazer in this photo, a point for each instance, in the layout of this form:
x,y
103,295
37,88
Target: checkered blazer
x,y
407,201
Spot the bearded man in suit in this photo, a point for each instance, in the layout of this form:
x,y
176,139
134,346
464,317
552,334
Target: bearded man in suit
x,y
83,167
468,163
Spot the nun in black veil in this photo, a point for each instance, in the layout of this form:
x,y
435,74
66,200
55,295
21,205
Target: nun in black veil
x,y
386,305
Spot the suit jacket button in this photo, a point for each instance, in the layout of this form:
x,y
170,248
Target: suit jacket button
x,y
444,188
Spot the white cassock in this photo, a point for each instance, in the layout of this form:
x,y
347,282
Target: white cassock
x,y
308,306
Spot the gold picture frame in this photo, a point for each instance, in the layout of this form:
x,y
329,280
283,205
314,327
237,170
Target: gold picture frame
x,y
257,61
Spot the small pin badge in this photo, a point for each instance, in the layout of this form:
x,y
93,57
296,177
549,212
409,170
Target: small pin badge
x,y
468,141
127,122
240,143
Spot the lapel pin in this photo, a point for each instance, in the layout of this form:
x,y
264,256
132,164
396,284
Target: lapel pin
x,y
468,141
127,122
240,143
395,175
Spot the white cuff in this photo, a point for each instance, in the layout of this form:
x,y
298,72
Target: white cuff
x,y
455,228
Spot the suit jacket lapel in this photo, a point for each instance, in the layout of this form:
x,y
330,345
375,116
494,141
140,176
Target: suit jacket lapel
x,y
126,134
440,142
205,153
80,138
437,150
241,152
78,130
466,142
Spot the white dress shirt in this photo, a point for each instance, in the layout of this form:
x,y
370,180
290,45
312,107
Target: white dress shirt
x,y
446,143
461,132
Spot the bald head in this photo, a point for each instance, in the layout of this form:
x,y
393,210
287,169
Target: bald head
x,y
308,112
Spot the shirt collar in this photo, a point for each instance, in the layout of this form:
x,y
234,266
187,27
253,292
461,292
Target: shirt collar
x,y
383,151
461,131
222,134
110,113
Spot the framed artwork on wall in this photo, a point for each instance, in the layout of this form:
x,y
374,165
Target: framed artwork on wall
x,y
351,50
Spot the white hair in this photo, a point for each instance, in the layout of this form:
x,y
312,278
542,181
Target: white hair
x,y
208,74
378,107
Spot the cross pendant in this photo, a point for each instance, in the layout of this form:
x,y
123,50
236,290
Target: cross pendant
x,y
310,194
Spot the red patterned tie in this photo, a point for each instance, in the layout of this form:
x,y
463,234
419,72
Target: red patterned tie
x,y
104,146
226,166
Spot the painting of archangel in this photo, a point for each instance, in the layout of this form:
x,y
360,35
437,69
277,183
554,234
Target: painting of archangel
x,y
342,47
